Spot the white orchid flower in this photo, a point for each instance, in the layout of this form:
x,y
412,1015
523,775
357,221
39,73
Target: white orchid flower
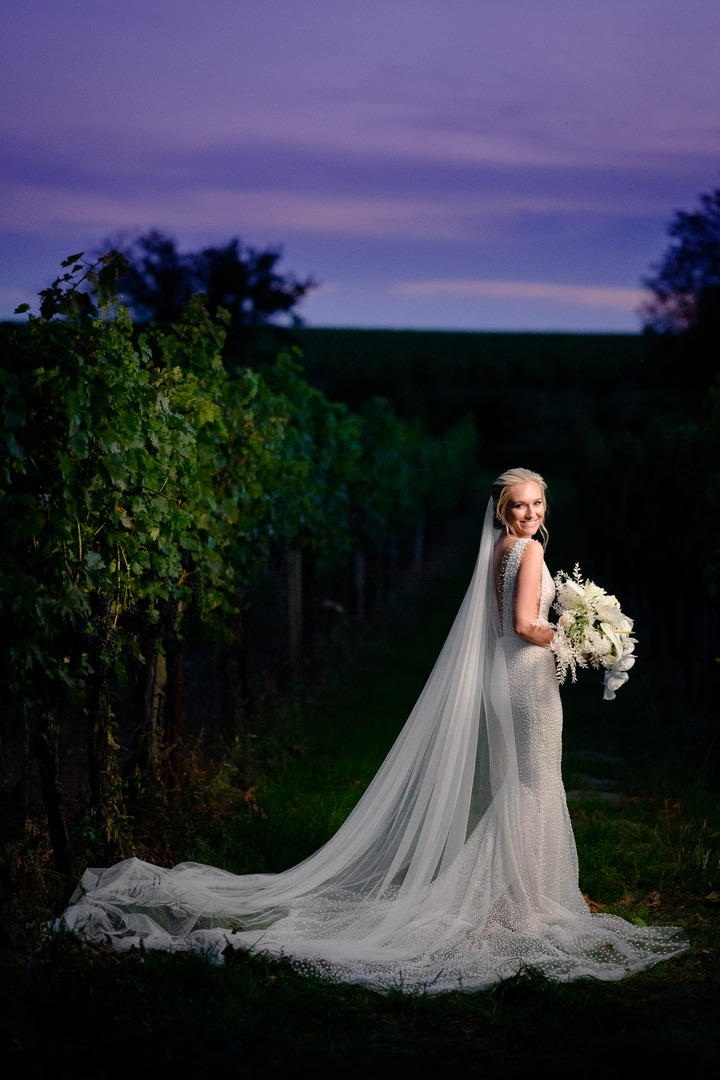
x,y
613,681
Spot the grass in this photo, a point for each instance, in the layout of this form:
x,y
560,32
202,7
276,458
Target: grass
x,y
651,856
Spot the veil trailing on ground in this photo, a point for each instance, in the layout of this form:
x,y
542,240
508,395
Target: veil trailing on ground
x,y
429,881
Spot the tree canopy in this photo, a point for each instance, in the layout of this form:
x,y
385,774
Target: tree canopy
x,y
160,280
686,285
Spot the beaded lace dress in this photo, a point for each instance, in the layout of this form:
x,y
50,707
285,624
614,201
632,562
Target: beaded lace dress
x,y
456,869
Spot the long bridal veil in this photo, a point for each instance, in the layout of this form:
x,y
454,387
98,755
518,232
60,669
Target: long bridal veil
x,y
432,882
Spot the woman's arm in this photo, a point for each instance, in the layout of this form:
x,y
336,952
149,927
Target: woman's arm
x,y
527,599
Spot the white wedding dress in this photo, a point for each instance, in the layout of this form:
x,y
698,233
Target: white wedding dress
x,y
456,869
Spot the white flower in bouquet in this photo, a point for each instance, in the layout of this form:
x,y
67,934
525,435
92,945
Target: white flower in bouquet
x,y
592,631
568,593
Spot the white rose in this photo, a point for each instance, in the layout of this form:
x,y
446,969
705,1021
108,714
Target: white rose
x,y
593,591
570,594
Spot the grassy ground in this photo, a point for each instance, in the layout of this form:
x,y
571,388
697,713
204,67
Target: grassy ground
x,y
648,831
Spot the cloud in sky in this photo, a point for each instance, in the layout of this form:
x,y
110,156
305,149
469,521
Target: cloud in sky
x,y
210,209
52,206
600,296
494,141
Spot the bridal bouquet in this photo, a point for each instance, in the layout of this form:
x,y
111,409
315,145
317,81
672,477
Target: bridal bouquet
x,y
591,631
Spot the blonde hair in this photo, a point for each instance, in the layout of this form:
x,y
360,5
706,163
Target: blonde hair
x,y
502,496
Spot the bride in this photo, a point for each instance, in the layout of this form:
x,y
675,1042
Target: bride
x,y
458,866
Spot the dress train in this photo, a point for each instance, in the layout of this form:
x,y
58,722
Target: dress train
x,y
456,869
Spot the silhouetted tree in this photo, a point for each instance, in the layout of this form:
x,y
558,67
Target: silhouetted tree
x,y
246,283
685,310
160,280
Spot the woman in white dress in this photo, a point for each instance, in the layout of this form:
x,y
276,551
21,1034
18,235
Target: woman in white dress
x,y
458,866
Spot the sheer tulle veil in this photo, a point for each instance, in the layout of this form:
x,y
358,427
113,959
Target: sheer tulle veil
x,y
426,878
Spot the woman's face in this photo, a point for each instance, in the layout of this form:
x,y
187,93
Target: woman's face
x,y
526,509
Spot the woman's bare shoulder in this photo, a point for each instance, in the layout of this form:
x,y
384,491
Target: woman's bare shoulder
x,y
506,542
532,555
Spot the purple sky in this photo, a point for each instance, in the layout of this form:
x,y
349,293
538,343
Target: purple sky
x,y
464,164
